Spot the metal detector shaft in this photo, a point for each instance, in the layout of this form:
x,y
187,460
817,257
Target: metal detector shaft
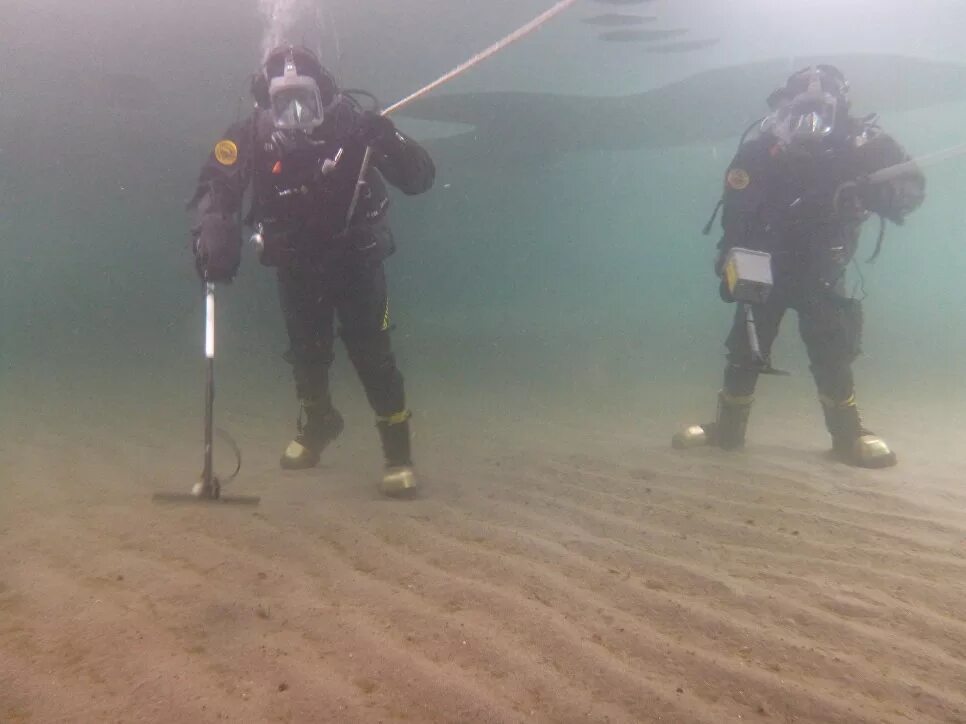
x,y
752,332
513,37
763,365
893,172
208,475
360,182
210,486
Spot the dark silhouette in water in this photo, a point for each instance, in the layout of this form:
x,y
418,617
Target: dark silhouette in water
x,y
532,129
522,131
684,46
613,20
640,36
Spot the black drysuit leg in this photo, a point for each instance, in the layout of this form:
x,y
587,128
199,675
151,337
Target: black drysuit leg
x,y
831,328
363,312
741,374
308,307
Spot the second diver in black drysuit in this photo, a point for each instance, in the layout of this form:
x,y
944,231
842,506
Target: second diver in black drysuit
x,y
798,191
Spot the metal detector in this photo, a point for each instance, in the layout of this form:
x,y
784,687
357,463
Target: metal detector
x,y
459,70
749,278
209,488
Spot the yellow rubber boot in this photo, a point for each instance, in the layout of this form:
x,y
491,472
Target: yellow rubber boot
x,y
399,478
851,442
321,427
726,432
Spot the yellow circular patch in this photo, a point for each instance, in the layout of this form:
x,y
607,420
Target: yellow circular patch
x,y
738,179
226,153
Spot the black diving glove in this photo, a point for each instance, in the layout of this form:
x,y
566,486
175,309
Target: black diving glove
x,y
217,248
374,129
862,196
892,200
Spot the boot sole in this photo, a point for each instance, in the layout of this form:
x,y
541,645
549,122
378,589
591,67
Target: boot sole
x,y
311,458
880,463
288,464
399,483
886,461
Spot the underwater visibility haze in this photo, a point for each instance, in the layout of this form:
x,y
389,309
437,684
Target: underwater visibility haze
x,y
556,316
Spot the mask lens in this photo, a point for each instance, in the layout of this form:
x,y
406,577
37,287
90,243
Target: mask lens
x,y
296,104
296,108
809,116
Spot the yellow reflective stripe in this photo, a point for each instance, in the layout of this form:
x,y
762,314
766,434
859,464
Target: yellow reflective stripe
x,y
385,317
731,275
395,419
737,399
829,402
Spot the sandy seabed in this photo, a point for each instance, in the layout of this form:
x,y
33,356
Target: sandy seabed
x,y
557,567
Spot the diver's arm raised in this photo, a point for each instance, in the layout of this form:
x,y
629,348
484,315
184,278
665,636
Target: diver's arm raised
x,y
401,160
898,195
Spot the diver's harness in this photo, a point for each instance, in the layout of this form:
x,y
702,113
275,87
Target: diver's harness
x,y
290,142
867,123
747,273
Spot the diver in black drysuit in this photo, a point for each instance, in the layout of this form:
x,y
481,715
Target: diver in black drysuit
x,y
302,150
797,191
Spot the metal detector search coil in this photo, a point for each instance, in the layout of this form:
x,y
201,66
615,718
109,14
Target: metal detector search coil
x,y
748,275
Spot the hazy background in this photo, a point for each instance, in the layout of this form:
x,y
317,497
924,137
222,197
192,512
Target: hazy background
x,y
576,281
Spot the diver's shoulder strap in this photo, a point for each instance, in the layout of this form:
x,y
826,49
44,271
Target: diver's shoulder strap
x,y
755,126
879,241
744,139
714,217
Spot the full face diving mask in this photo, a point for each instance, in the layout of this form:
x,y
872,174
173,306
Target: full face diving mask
x,y
296,100
806,117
